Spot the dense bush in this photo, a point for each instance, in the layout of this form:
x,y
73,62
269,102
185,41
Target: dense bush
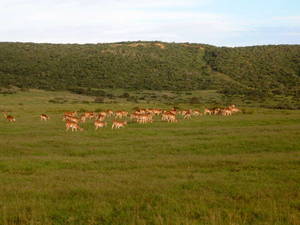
x,y
257,72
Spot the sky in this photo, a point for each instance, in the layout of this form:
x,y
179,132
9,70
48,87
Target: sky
x,y
215,22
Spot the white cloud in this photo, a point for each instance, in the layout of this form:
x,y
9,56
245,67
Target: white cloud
x,y
82,21
108,21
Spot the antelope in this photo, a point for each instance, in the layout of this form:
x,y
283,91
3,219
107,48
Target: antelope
x,y
183,112
120,114
9,117
100,118
70,113
169,117
100,124
226,112
134,115
208,111
234,110
109,112
102,114
74,126
196,112
44,117
82,118
72,119
217,111
145,118
89,115
118,124
172,119
187,115
157,111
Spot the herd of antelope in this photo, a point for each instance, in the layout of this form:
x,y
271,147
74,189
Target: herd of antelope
x,y
141,116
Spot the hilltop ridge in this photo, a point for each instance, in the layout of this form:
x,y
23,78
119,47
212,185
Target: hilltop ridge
x,y
256,70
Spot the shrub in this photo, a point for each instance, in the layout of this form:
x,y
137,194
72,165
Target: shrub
x,y
99,100
194,100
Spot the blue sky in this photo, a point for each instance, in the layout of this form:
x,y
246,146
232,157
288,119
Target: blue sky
x,y
216,22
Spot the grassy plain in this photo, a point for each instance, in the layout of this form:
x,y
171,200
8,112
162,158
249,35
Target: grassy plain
x,y
243,169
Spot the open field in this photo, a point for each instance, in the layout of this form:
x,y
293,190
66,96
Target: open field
x,y
241,169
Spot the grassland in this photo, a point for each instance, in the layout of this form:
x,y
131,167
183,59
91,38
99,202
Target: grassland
x,y
243,169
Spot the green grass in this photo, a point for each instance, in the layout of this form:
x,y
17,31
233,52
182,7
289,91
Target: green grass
x,y
243,169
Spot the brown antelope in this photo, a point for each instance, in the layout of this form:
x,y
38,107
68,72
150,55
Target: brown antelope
x,y
89,115
103,114
73,119
134,115
208,111
187,115
172,119
9,117
234,109
226,112
44,117
74,126
109,112
121,114
118,124
196,112
82,118
100,124
70,113
101,118
169,117
217,111
157,111
144,118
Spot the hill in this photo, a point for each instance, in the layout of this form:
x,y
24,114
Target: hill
x,y
251,71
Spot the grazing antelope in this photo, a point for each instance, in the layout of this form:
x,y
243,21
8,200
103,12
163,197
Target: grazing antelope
x,y
44,117
118,124
100,124
74,126
9,117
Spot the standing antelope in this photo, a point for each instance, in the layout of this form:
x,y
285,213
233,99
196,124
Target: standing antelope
x,y
89,115
73,119
100,124
187,115
208,111
70,113
9,117
121,114
196,112
44,117
118,124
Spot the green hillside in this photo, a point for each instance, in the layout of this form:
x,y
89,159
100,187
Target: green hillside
x,y
257,70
